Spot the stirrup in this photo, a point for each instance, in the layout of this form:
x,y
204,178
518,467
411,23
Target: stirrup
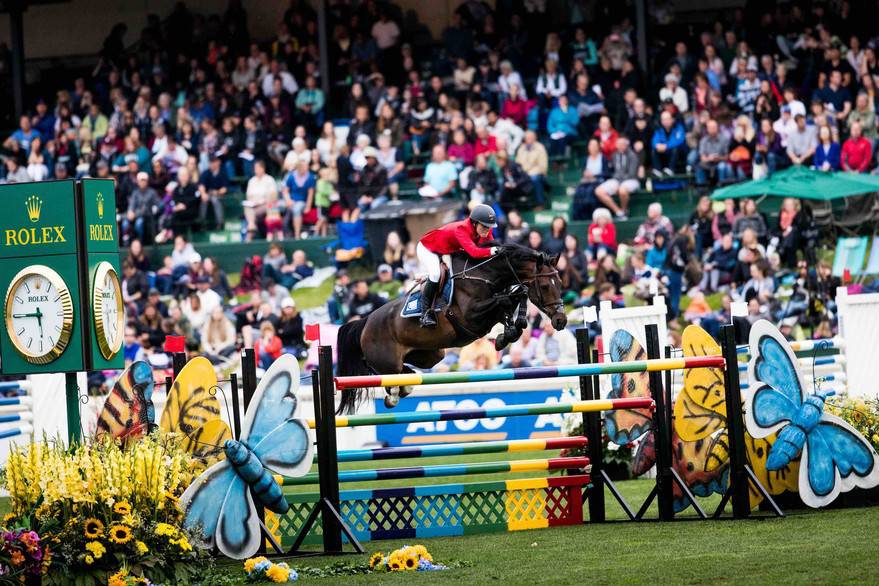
x,y
428,319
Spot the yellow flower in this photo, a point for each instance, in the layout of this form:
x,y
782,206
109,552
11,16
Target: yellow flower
x,y
8,517
421,550
118,579
166,530
375,560
93,528
96,548
252,562
410,562
141,547
89,560
182,543
278,574
122,508
120,534
395,566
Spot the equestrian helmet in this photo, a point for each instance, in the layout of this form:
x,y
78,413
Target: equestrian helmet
x,y
484,214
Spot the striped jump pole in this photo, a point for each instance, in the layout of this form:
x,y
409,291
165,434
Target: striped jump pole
x,y
542,464
434,450
433,378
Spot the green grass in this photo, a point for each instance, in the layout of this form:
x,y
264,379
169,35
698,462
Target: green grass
x,y
815,547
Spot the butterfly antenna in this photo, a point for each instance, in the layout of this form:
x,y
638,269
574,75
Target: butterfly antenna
x,y
218,390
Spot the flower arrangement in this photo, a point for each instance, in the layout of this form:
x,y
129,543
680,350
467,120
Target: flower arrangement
x,y
22,554
102,508
409,558
861,414
260,568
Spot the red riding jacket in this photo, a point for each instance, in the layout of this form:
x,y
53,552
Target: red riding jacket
x,y
457,236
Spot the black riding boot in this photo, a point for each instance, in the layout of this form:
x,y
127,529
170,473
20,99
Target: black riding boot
x,y
428,316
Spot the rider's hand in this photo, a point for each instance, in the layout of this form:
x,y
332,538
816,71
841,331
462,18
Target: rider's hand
x,y
494,250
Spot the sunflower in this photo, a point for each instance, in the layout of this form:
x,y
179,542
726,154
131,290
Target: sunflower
x,y
120,534
122,508
375,560
410,562
93,528
395,566
118,579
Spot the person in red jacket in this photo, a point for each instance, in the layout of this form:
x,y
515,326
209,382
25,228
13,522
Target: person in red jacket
x,y
465,236
856,151
268,347
602,234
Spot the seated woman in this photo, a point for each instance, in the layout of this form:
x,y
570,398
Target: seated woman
x,y
720,265
602,234
290,330
218,337
595,170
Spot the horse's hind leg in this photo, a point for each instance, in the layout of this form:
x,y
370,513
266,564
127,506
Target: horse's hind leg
x,y
422,359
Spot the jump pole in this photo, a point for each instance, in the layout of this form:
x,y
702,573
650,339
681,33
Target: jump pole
x,y
662,438
592,430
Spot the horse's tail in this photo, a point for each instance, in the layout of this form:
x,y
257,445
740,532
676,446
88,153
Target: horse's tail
x,y
350,362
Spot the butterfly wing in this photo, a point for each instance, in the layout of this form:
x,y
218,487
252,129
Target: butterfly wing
x,y
192,401
700,408
626,425
238,533
836,459
274,400
690,461
206,442
201,499
645,455
128,410
776,383
774,481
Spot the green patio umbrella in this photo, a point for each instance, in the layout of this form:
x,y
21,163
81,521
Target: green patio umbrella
x,y
803,183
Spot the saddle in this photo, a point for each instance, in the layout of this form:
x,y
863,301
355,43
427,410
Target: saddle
x,y
412,306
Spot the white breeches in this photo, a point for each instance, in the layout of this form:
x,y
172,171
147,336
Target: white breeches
x,y
430,262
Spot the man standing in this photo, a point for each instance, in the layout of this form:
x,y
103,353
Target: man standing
x,y
802,142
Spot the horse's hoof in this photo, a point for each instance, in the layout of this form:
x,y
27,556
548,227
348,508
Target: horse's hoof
x,y
405,391
391,401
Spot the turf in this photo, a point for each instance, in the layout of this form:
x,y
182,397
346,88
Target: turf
x,y
815,547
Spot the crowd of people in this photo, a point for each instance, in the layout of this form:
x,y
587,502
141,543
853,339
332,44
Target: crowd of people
x,y
197,111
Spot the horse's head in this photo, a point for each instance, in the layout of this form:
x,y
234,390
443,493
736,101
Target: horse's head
x,y
545,290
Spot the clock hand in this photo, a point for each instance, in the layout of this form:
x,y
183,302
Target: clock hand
x,y
39,315
17,315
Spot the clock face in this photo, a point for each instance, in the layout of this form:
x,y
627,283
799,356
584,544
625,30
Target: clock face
x,y
39,314
108,310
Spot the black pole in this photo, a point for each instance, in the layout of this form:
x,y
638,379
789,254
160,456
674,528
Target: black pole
x,y
738,477
178,361
236,406
322,33
660,429
16,36
641,36
328,463
592,431
248,375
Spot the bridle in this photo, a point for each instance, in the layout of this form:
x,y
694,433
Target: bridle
x,y
557,306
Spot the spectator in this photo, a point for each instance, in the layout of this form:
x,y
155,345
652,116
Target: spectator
x,y
299,186
674,92
461,151
595,172
713,153
268,347
827,153
835,97
624,180
143,202
802,142
588,103
769,153
478,355
391,159
676,263
213,186
262,191
668,144
515,106
385,285
534,160
864,113
337,304
372,186
741,149
554,242
720,265
439,175
561,126
185,202
555,347
748,90
363,302
508,78
291,330
483,182
655,221
701,221
517,189
602,235
288,275
607,137
791,219
751,219
857,151
218,337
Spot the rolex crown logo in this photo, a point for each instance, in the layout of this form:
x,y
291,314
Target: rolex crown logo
x,y
33,204
100,200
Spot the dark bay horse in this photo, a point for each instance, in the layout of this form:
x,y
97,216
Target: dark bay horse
x,y
385,342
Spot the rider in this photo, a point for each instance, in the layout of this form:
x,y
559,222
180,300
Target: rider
x,y
453,237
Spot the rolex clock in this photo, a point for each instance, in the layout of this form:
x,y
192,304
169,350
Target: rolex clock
x,y
39,314
107,310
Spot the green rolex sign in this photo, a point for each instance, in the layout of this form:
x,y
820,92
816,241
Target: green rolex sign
x,y
104,307
40,279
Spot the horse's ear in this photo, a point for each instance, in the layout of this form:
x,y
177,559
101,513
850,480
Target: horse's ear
x,y
554,260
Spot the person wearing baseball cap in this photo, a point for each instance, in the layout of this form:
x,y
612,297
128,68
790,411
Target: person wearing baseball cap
x,y
142,201
386,285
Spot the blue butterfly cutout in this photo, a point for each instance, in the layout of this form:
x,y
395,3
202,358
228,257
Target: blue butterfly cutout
x,y
273,440
624,426
835,457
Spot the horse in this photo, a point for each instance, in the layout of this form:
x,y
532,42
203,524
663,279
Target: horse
x,y
485,291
